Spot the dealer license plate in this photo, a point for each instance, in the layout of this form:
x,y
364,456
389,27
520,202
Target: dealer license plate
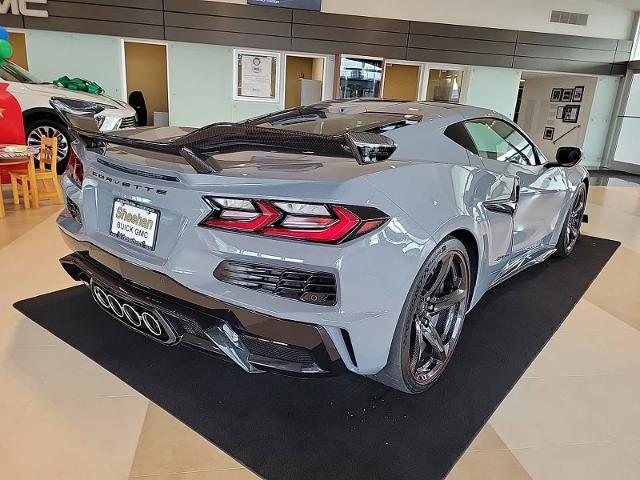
x,y
135,224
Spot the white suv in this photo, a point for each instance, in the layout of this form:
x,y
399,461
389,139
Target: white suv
x,y
42,120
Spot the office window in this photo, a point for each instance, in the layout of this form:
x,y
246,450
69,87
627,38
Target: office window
x,y
444,86
360,77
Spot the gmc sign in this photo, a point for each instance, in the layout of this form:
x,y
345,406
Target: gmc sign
x,y
21,7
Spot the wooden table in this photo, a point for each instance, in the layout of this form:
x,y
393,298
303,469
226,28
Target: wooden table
x,y
10,157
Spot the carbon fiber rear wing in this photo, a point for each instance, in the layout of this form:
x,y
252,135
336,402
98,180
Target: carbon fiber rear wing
x,y
200,147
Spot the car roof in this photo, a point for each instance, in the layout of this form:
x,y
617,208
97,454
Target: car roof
x,y
427,110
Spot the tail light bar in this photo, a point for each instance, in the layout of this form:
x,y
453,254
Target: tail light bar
x,y
310,222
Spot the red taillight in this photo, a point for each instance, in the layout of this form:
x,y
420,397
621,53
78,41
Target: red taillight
x,y
244,220
336,231
75,170
300,221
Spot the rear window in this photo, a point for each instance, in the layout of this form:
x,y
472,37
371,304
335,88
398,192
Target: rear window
x,y
322,122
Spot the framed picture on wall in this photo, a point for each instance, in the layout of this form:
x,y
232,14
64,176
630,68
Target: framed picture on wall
x,y
567,94
571,114
578,93
556,95
560,113
549,132
256,76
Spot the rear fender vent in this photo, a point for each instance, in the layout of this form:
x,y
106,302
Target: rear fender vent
x,y
570,18
318,288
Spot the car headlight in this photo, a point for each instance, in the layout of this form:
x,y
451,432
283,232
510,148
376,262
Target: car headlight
x,y
79,107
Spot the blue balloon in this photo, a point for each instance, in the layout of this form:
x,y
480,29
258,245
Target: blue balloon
x,y
4,35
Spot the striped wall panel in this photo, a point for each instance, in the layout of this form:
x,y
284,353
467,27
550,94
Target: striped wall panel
x,y
270,28
227,24
12,21
132,18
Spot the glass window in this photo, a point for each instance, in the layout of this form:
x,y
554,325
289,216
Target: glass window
x,y
13,73
498,140
360,77
444,86
323,121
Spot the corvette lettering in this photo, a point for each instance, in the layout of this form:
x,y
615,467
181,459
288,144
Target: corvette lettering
x,y
115,181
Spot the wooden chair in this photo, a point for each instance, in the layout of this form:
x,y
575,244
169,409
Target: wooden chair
x,y
46,173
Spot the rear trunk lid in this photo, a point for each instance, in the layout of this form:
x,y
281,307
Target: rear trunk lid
x,y
164,197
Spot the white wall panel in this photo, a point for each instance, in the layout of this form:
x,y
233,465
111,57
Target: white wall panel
x,y
600,120
494,88
201,83
94,57
633,104
628,150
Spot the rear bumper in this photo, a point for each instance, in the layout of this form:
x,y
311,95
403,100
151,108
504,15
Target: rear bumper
x,y
254,341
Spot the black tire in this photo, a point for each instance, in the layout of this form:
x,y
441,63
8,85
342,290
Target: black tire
x,y
50,124
572,223
397,373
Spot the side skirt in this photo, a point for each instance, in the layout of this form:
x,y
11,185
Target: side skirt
x,y
524,261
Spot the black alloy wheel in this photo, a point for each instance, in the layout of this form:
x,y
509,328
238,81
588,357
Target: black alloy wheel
x,y
431,320
573,223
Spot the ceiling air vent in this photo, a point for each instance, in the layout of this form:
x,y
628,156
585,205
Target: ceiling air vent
x,y
569,18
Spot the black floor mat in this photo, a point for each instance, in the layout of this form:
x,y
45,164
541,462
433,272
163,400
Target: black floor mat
x,y
344,427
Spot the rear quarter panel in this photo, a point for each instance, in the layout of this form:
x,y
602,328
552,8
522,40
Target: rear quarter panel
x,y
443,198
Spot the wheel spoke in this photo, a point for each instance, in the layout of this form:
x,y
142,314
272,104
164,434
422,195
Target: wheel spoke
x,y
433,337
447,301
443,270
421,345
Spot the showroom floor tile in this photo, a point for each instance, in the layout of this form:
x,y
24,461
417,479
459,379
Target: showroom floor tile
x,y
574,414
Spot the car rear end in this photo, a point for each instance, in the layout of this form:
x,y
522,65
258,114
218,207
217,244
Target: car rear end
x,y
276,260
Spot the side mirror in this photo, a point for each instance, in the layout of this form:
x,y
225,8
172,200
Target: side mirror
x,y
568,156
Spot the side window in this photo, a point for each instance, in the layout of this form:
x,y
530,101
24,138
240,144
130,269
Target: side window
x,y
498,140
459,134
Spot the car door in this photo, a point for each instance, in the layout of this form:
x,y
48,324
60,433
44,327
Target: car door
x,y
504,149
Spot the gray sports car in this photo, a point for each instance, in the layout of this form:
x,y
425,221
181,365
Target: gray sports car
x,y
348,235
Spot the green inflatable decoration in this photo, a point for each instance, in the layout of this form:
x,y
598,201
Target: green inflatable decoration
x,y
79,84
6,51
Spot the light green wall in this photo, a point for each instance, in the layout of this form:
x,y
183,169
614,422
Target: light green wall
x,y
200,82
600,121
200,76
494,88
243,110
94,57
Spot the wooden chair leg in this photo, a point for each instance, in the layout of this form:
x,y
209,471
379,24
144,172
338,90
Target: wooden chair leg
x,y
24,180
2,212
15,191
